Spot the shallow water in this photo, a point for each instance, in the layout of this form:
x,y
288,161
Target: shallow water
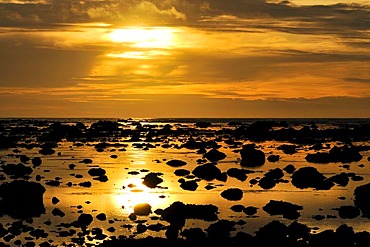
x,y
132,161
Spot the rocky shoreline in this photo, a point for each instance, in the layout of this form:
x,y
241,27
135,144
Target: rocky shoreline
x,y
21,191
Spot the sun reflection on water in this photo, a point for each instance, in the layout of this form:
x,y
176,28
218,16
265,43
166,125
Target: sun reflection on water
x,y
134,192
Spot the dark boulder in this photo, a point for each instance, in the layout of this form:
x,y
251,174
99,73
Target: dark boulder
x,y
16,171
252,157
207,171
191,185
96,171
214,155
176,163
348,212
286,209
143,209
22,199
232,194
307,177
273,158
343,154
220,231
151,180
362,199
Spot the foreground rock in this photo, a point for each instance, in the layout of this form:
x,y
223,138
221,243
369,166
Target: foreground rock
x,y
21,199
362,199
274,233
252,157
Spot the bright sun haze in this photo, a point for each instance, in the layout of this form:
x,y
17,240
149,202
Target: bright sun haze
x,y
153,37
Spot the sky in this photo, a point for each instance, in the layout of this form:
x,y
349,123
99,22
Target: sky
x,y
178,58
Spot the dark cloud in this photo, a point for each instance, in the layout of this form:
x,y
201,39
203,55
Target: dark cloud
x,y
337,18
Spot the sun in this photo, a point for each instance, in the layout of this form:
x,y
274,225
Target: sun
x,y
151,37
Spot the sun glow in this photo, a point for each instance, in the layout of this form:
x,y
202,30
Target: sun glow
x,y
154,37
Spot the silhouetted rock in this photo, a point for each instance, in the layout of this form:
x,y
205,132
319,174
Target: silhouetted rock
x,y
151,180
298,231
58,212
286,209
237,173
96,171
307,177
207,171
341,179
17,171
203,124
181,172
22,199
86,184
272,233
289,168
251,157
362,199
273,158
191,185
214,155
288,148
101,216
194,235
271,178
178,212
232,194
250,210
102,178
84,220
142,209
55,200
46,151
220,231
36,161
348,212
176,163
86,161
343,154
24,158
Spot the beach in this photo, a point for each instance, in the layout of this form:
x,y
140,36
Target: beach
x,y
107,182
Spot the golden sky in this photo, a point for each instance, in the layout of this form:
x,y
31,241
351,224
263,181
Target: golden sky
x,y
178,58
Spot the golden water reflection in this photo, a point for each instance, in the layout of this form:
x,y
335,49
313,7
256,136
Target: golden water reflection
x,y
134,192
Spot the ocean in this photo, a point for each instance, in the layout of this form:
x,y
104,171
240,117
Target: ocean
x,y
126,174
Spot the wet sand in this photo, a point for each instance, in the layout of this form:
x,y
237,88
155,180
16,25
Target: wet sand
x,y
94,182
